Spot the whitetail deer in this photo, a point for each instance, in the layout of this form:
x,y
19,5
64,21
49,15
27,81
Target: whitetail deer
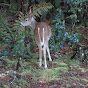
x,y
42,34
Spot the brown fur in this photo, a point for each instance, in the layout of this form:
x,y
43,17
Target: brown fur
x,y
47,32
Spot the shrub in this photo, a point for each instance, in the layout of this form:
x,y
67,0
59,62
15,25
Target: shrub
x,y
14,38
61,36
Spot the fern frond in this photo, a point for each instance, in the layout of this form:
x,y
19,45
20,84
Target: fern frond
x,y
38,9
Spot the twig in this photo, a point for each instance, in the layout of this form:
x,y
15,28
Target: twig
x,y
4,4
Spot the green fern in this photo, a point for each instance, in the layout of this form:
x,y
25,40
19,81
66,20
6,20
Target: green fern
x,y
38,9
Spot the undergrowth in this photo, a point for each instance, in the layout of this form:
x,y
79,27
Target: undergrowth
x,y
31,73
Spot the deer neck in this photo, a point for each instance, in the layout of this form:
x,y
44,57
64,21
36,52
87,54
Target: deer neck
x,y
33,23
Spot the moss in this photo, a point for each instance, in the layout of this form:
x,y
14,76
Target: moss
x,y
5,86
26,71
48,75
74,78
23,82
62,64
34,61
82,69
63,69
62,87
10,61
51,74
85,80
27,63
68,85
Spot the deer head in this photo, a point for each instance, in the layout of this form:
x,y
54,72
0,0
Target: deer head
x,y
29,20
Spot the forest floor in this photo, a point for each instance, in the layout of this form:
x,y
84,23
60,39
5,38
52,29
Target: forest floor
x,y
61,73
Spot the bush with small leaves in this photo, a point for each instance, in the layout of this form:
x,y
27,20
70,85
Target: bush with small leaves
x,y
61,36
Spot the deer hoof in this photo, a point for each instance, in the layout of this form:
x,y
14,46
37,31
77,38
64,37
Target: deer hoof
x,y
50,60
46,67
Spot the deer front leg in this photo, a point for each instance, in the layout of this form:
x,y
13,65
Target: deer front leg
x,y
44,52
40,57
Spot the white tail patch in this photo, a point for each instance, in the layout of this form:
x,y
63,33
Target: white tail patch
x,y
43,36
41,42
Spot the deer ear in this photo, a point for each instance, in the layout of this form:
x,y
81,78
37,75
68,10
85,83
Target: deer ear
x,y
30,12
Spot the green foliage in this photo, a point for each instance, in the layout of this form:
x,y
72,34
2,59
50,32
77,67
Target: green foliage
x,y
4,29
5,86
75,11
76,7
39,9
13,8
58,2
7,63
61,34
14,37
61,64
24,83
48,75
84,80
61,37
71,38
59,30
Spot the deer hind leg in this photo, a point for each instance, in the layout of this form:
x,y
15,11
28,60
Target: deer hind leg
x,y
44,52
49,53
40,56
